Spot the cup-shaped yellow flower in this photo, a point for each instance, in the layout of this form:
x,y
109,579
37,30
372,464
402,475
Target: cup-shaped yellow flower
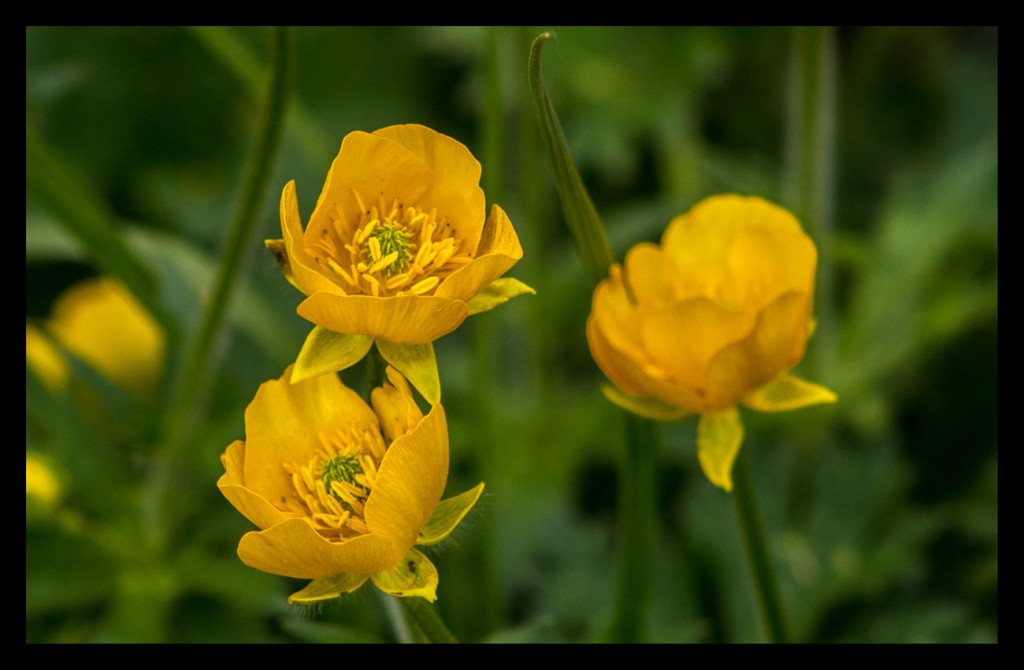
x,y
399,250
340,489
713,318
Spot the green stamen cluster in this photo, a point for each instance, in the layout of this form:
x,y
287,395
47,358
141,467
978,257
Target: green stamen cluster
x,y
341,468
392,238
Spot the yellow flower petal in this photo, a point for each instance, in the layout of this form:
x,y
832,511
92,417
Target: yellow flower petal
x,y
294,549
719,437
326,351
404,319
299,264
419,365
414,576
454,169
326,588
683,337
285,422
410,481
630,372
741,250
775,345
786,393
498,251
366,167
613,314
253,506
653,276
395,407
448,514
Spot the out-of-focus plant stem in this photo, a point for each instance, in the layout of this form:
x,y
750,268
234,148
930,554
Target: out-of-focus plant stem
x,y
749,515
636,503
199,359
809,182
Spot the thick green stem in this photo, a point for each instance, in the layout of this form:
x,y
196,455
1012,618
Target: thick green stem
x,y
749,515
636,532
428,620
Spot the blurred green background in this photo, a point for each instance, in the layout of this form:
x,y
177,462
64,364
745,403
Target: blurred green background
x,y
881,510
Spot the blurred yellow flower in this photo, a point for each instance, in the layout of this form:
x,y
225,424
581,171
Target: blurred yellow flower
x,y
712,318
342,491
41,483
45,359
398,250
99,321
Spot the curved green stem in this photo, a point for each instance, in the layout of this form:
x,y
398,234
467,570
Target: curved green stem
x,y
749,515
636,532
197,362
198,359
428,620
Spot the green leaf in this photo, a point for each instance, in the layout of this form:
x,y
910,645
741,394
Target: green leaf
x,y
326,351
326,588
649,408
786,393
580,214
448,514
719,437
419,365
414,576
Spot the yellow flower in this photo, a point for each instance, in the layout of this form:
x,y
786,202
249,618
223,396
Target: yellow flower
x,y
398,250
45,359
342,491
41,482
712,318
100,321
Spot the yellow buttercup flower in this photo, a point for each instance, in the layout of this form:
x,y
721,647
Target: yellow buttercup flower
x,y
341,490
712,318
100,321
399,250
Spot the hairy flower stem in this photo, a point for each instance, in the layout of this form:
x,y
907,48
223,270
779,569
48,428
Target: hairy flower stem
x,y
635,531
198,359
749,515
427,619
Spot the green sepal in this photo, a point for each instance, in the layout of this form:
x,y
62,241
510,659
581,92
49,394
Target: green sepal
x,y
580,214
786,393
417,363
326,351
448,514
719,437
415,576
326,588
498,292
649,408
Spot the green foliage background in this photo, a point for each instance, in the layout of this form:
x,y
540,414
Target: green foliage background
x,y
882,510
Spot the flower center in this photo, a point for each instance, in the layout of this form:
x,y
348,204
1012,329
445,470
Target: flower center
x,y
331,489
393,250
388,243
